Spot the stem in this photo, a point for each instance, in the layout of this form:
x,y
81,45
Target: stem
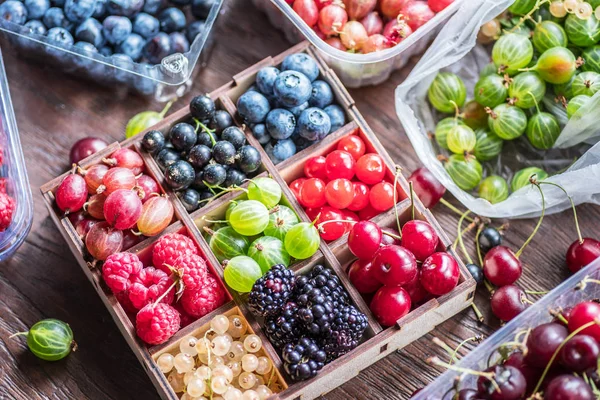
x,y
395,200
456,109
439,342
478,313
343,221
167,107
460,241
19,334
208,230
205,129
175,282
390,234
538,293
488,375
528,15
461,344
488,286
453,208
213,222
530,238
479,229
581,285
464,232
537,107
572,206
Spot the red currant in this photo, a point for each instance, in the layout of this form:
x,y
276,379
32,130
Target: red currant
x,y
361,196
381,196
439,273
312,213
315,168
353,145
340,164
370,169
362,277
312,193
122,208
364,239
389,304
419,238
339,193
295,187
71,193
394,265
331,230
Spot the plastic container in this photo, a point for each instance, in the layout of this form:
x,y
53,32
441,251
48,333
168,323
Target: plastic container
x,y
13,170
563,296
172,77
356,70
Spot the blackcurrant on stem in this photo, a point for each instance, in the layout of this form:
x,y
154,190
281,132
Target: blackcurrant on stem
x,y
572,207
205,129
557,351
396,175
460,240
475,339
453,208
478,313
533,180
167,107
488,375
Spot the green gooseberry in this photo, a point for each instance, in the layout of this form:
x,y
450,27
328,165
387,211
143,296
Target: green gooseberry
x,y
491,90
50,339
582,32
586,83
543,130
442,128
512,52
507,122
488,145
302,240
268,251
447,92
526,90
144,120
564,89
465,171
266,190
576,103
493,189
461,139
522,7
474,115
548,34
591,59
521,177
556,65
241,272
488,70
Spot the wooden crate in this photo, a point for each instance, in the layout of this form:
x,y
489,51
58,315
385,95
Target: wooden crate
x,y
378,342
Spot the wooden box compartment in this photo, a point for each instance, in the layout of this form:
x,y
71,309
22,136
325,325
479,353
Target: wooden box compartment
x,y
377,342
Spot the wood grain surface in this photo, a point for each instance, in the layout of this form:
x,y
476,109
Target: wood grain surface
x,y
43,280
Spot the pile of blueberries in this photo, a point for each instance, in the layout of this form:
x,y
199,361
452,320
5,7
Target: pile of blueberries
x,y
289,109
128,30
203,156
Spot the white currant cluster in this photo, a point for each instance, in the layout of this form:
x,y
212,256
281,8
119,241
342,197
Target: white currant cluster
x,y
582,9
227,363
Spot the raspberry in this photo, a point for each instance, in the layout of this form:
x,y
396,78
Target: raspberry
x,y
194,270
120,269
186,318
156,323
123,298
7,208
169,248
204,299
150,284
3,183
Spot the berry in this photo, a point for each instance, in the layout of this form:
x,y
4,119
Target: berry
x,y
204,299
347,329
381,196
149,285
439,273
581,253
507,302
370,169
420,238
427,187
362,277
202,107
156,323
194,270
283,328
489,238
303,360
71,193
7,208
389,304
271,292
501,266
394,265
509,383
543,341
315,168
364,239
85,147
579,353
122,208
339,164
352,144
169,248
120,269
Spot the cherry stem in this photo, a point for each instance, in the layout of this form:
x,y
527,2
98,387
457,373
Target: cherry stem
x,y
205,129
537,227
412,201
524,300
464,231
479,256
581,285
398,171
439,342
488,286
572,207
167,107
538,293
575,332
478,313
488,375
476,339
390,234
453,208
460,240
558,315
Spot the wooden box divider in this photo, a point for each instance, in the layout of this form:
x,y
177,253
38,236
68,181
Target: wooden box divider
x,y
377,342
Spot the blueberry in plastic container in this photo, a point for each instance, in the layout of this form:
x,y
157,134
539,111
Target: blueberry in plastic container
x,y
301,62
90,31
253,107
35,27
194,29
124,63
36,8
321,95
152,6
265,79
314,124
87,51
180,175
201,8
298,109
57,3
157,48
106,51
126,8
190,199
132,46
79,10
115,29
145,25
259,131
54,17
144,86
178,43
235,136
337,116
280,123
101,9
292,88
182,136
13,11
171,19
60,36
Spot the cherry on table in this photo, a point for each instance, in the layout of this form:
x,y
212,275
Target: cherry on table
x,y
585,313
394,265
439,273
362,277
420,238
581,253
568,387
365,239
426,187
489,238
510,381
507,302
501,266
543,342
389,304
579,353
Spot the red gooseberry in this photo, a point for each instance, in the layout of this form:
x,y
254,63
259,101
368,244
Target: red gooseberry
x,y
438,5
312,193
332,19
372,23
71,193
336,43
126,158
307,10
417,13
148,187
122,208
103,240
95,206
93,177
391,8
376,42
156,215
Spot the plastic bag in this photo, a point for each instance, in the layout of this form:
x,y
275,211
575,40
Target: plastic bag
x,y
456,50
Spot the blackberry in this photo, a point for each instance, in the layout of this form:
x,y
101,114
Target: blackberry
x,y
283,328
315,312
270,293
329,284
347,329
303,360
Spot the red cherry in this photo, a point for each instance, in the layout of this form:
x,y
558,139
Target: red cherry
x,y
295,187
415,290
579,353
361,196
362,277
364,239
85,147
394,265
531,374
439,273
331,230
542,342
315,168
339,193
351,217
419,238
353,145
582,253
368,212
312,193
370,169
584,313
507,302
501,266
426,187
387,239
340,164
381,196
389,304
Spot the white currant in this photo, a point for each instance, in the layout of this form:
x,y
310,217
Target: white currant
x,y
165,362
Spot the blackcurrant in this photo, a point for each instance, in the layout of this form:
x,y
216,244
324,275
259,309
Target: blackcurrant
x,y
167,157
224,153
235,136
206,139
179,175
202,107
234,177
198,183
214,174
183,136
476,272
220,121
153,141
190,199
489,238
204,195
248,159
199,156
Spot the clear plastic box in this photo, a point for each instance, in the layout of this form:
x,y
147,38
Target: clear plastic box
x,y
356,70
13,170
170,78
567,294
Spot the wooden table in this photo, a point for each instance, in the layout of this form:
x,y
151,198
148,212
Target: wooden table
x,y
43,280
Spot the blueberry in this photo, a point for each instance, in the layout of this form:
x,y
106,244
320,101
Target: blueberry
x,y
194,29
314,124
153,141
183,136
280,123
220,120
157,48
248,159
235,136
201,8
321,95
260,133
132,46
101,8
145,25
54,17
265,79
60,36
179,175
190,199
36,27
302,143
298,109
125,63
253,107
36,8
336,115
171,19
269,150
301,62
57,3
199,156
13,11
214,174
106,51
79,10
202,107
85,49
224,153
116,29
90,31
292,88
152,6
178,43
145,86
126,8
284,149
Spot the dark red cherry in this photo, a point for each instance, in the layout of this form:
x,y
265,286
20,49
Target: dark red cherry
x,y
582,253
501,266
510,381
389,304
439,273
427,187
568,387
387,239
85,147
419,238
543,342
467,394
364,239
394,265
579,353
585,313
362,277
531,374
508,302
416,291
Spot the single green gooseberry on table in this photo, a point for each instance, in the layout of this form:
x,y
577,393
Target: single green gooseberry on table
x,y
145,119
50,339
